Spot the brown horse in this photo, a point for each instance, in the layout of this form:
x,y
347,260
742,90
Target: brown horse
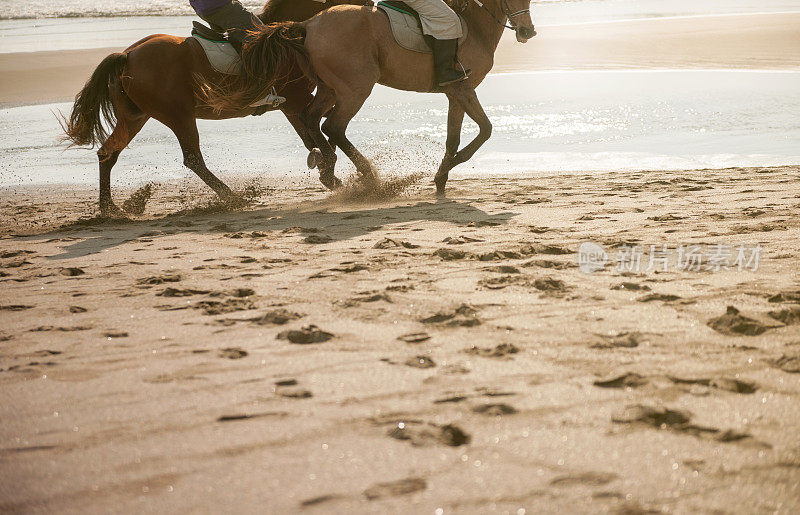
x,y
352,48
157,77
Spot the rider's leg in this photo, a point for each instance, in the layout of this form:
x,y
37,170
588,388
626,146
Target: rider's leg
x,y
444,62
444,26
234,19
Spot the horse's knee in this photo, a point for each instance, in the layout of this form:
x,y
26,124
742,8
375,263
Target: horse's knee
x,y
486,130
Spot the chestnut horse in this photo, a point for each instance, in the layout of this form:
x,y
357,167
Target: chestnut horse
x,y
352,48
157,77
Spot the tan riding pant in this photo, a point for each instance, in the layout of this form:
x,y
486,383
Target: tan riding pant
x,y
438,20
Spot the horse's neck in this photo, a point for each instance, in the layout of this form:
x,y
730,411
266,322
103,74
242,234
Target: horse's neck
x,y
481,24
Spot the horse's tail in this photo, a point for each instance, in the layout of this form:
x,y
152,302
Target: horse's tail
x,y
93,105
272,54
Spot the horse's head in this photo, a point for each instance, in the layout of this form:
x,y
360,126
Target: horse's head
x,y
518,13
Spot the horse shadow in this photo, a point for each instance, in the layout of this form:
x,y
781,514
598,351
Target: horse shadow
x,y
96,235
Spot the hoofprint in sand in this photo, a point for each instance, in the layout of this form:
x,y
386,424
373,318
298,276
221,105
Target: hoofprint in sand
x,y
408,355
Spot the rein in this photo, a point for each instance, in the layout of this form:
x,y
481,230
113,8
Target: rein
x,y
510,16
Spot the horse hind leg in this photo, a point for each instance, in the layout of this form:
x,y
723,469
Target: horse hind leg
x,y
185,130
310,118
129,122
336,128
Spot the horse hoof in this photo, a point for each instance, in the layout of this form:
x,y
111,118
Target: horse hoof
x,y
331,182
314,158
110,210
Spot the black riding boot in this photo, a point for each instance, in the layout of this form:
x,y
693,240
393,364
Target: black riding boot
x,y
444,58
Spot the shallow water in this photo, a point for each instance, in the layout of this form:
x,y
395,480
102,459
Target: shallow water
x,y
543,122
27,26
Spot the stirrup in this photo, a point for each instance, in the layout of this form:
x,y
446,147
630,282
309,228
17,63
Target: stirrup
x,y
271,100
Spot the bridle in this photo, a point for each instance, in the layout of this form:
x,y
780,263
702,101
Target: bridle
x,y
508,14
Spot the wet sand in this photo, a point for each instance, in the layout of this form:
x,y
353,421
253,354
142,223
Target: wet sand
x,y
763,41
313,353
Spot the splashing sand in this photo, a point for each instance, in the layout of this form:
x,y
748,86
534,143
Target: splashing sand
x,y
137,202
355,190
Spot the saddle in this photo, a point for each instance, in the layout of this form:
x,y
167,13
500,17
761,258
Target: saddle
x,y
407,27
221,54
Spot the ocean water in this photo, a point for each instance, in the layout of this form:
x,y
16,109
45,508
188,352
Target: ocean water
x,y
579,10
544,122
37,25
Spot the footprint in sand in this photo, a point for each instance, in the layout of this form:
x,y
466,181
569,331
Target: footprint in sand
x,y
389,243
71,272
629,286
313,501
788,363
293,393
733,323
395,488
306,335
503,269
460,240
663,297
464,315
232,353
412,338
494,409
181,292
243,416
423,434
584,479
452,254
316,239
216,307
624,339
786,296
680,421
115,334
277,317
159,279
790,316
502,350
420,362
15,307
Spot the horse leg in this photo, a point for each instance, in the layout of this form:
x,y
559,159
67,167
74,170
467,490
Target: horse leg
x,y
465,98
189,139
336,127
455,119
316,155
127,127
310,118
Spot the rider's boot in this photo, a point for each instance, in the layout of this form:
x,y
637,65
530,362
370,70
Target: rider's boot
x,y
444,59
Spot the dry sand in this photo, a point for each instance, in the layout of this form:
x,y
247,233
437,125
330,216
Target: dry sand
x,y
764,41
145,365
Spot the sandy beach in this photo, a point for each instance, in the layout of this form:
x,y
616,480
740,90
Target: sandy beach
x,y
311,353
562,341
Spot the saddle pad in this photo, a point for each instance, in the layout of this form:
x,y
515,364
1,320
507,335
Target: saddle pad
x,y
221,55
408,32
